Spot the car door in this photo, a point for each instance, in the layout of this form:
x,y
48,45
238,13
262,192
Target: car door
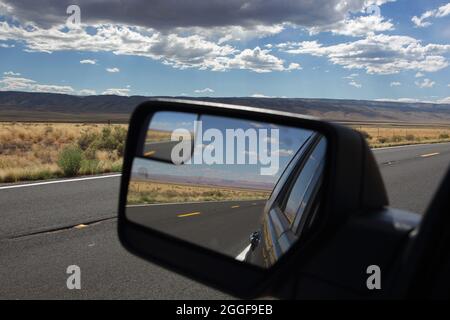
x,y
292,208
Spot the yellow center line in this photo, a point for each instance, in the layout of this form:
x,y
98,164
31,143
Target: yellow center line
x,y
188,214
234,207
429,155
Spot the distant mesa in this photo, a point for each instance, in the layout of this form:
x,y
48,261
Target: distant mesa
x,y
29,106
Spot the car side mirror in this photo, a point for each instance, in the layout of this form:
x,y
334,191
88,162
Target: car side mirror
x,y
232,195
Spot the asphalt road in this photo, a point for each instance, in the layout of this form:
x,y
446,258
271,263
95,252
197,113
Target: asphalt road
x,y
47,227
208,224
160,150
412,174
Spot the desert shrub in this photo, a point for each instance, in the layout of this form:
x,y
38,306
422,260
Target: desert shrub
x,y
48,130
89,166
110,139
38,175
69,160
120,135
171,193
106,139
86,139
383,139
443,136
410,137
120,149
116,166
396,138
91,152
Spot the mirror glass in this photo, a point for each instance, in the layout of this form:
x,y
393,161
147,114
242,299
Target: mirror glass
x,y
158,138
243,188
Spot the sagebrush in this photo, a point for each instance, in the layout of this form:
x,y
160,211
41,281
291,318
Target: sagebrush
x,y
30,151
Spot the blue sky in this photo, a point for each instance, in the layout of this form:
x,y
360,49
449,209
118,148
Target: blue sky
x,y
354,49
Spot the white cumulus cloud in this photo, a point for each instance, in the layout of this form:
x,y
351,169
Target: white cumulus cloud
x,y
11,73
261,95
444,100
425,83
355,27
87,92
424,20
377,54
259,60
12,83
113,70
206,90
178,51
117,91
355,84
88,61
352,76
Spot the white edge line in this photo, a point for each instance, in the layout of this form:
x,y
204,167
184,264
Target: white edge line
x,y
410,145
241,256
430,155
58,181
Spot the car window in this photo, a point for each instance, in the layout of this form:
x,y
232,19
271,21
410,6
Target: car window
x,y
300,193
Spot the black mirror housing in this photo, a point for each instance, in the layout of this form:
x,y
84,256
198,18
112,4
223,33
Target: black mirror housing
x,y
353,184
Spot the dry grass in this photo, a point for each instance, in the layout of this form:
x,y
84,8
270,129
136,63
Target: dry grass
x,y
382,136
29,151
160,135
140,192
157,135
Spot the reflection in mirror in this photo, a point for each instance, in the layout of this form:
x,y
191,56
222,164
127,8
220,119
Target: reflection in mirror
x,y
243,188
165,131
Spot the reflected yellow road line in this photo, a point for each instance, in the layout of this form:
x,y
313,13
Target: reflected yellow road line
x,y
429,155
188,214
149,153
234,207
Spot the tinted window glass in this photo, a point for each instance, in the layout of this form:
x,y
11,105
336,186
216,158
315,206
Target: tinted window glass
x,y
311,169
